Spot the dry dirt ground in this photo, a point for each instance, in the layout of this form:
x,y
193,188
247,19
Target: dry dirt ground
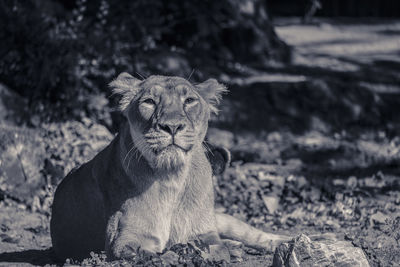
x,y
315,146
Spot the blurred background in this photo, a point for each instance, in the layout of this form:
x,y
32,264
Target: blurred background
x,y
311,118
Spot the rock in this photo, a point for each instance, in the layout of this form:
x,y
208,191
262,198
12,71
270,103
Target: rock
x,y
13,238
352,182
379,218
170,258
31,159
12,106
22,153
235,249
302,251
272,203
218,253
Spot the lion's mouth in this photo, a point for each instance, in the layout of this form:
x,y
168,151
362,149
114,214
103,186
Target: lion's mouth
x,y
174,146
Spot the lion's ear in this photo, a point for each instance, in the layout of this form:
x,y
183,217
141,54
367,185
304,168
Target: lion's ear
x,y
211,90
219,157
127,86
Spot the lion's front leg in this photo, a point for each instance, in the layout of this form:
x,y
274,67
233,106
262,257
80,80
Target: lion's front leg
x,y
232,228
127,234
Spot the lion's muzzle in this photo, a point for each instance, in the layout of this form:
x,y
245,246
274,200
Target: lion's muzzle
x,y
170,128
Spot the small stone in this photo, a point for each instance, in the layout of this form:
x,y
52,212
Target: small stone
x,y
35,120
352,182
379,218
272,203
235,249
13,239
22,153
170,258
274,137
302,251
338,182
217,253
301,182
35,204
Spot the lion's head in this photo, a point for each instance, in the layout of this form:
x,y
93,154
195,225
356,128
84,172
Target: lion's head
x,y
167,116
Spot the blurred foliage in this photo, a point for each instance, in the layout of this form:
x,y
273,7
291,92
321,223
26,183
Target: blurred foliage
x,y
61,50
36,49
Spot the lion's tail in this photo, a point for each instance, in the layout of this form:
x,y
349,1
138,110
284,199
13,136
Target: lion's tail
x,y
232,228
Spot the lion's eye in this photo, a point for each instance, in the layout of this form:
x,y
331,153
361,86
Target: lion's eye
x,y
189,100
149,101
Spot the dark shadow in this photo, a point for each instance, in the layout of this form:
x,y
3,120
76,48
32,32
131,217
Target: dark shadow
x,y
389,32
298,106
346,21
333,42
391,168
32,256
368,72
317,162
359,21
388,64
323,177
317,167
340,99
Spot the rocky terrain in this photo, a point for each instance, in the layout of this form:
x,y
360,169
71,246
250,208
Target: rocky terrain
x,y
315,152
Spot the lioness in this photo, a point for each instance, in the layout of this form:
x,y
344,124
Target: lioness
x,y
152,186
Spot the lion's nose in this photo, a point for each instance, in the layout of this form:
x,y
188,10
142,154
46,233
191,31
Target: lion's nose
x,y
172,129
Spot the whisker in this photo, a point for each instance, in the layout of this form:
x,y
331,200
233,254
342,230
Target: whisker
x,y
139,154
190,75
133,147
141,76
135,152
133,155
207,147
129,162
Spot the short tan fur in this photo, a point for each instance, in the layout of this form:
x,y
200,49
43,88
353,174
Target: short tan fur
x,y
152,186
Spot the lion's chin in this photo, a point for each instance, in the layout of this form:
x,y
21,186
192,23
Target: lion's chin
x,y
170,158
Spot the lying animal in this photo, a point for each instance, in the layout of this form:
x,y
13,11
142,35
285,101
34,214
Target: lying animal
x,y
151,187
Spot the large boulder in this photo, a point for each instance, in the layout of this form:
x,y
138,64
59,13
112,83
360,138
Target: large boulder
x,y
22,154
12,106
302,251
34,159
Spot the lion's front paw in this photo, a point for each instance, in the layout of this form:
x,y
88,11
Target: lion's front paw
x,y
129,250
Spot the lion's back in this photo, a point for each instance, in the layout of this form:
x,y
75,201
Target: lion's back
x,y
78,218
